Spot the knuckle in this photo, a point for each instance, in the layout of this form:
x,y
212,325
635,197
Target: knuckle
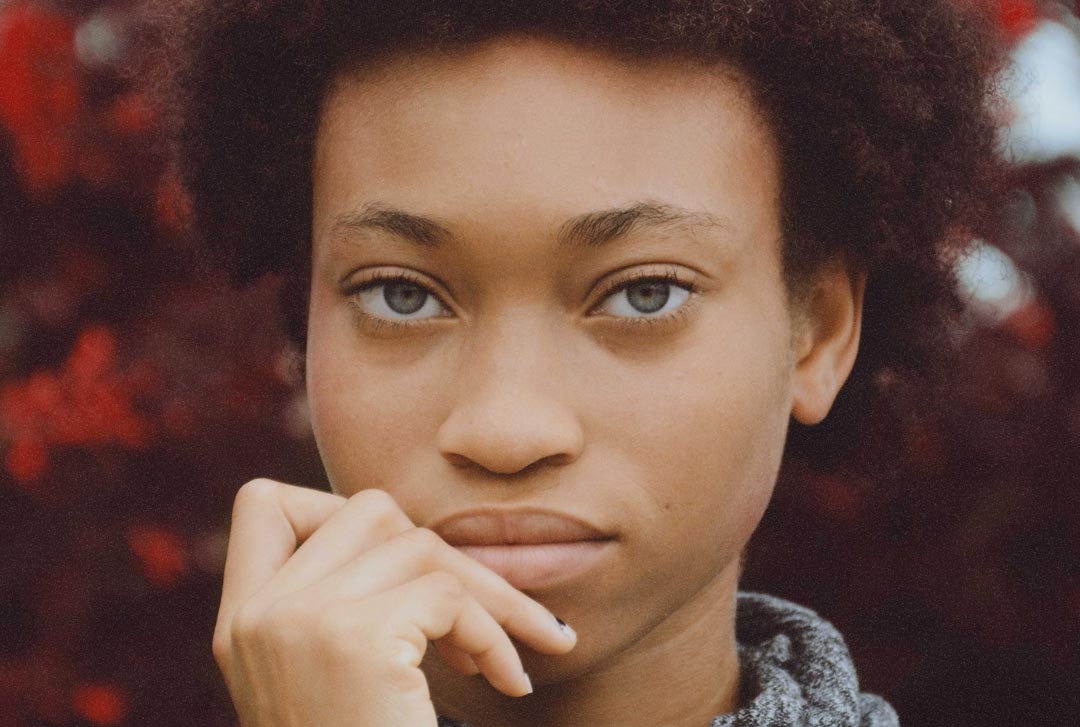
x,y
388,521
446,584
282,626
489,653
260,489
380,506
221,646
376,499
248,625
427,544
404,677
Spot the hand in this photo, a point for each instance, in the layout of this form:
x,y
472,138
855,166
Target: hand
x,y
328,605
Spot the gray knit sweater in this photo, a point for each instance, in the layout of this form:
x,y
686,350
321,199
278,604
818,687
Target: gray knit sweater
x,y
796,672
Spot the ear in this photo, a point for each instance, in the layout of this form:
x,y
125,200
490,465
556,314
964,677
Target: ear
x,y
829,322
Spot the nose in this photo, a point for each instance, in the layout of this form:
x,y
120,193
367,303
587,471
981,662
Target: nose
x,y
513,410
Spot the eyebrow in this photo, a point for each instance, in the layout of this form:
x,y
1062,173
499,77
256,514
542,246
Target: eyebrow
x,y
588,230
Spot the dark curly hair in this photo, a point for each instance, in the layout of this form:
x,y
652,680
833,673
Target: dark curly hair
x,y
882,110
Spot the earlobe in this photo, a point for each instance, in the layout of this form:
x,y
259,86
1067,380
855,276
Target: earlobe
x,y
828,342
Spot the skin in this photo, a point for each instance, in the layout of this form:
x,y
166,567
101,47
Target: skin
x,y
528,376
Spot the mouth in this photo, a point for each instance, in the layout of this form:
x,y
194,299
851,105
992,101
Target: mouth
x,y
529,548
541,565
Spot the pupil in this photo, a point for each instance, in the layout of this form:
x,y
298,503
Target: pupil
x,y
654,296
404,298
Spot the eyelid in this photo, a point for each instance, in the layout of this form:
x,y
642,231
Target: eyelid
x,y
664,324
370,280
373,280
671,275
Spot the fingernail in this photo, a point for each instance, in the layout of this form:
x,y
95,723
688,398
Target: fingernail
x,y
528,682
565,628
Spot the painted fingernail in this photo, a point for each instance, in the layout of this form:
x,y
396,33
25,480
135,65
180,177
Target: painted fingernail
x,y
565,628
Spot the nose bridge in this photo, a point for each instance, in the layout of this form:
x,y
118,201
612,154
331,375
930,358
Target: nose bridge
x,y
512,408
514,348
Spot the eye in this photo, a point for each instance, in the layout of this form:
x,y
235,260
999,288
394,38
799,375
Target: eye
x,y
647,296
402,300
397,298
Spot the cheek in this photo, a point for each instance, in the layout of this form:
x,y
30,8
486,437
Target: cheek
x,y
368,419
709,457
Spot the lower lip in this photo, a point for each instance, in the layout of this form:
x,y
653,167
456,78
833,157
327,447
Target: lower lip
x,y
539,565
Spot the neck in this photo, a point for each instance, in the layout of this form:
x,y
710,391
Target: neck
x,y
682,673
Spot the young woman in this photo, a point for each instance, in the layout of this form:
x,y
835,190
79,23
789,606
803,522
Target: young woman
x,y
563,274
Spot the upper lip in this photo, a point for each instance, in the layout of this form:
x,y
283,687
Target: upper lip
x,y
510,527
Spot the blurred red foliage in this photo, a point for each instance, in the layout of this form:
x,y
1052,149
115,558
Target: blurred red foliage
x,y
132,114
102,704
1033,325
1017,16
161,553
41,99
88,402
171,204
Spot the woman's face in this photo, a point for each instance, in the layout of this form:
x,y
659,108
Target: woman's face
x,y
520,188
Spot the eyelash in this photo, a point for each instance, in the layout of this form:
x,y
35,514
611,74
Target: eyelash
x,y
670,277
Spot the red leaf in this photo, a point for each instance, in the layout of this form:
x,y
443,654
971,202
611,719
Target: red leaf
x,y
1033,325
160,552
40,93
93,353
26,459
172,206
99,703
1017,17
132,115
90,401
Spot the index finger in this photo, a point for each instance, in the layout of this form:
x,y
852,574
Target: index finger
x,y
270,520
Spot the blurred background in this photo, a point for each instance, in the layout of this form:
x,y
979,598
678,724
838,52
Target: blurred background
x,y
137,394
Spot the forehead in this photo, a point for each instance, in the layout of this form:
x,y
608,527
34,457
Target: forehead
x,y
524,125
542,64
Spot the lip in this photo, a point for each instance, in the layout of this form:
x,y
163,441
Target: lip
x,y
542,565
515,527
530,548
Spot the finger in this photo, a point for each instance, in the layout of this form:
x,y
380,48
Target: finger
x,y
437,606
457,658
366,519
419,551
269,520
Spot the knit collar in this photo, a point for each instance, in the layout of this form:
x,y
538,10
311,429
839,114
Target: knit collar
x,y
796,672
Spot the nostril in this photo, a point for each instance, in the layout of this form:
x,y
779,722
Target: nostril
x,y
462,462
